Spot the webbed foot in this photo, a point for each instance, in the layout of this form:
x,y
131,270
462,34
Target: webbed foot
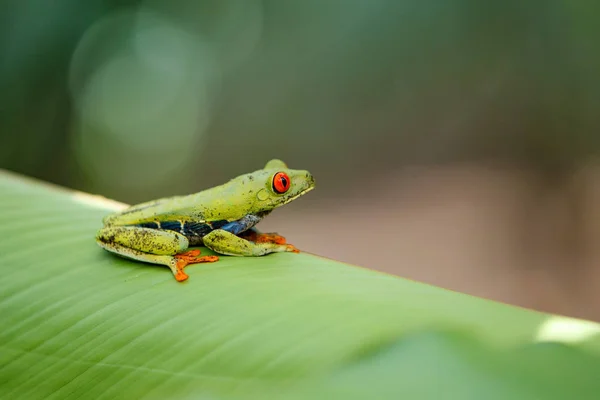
x,y
271,237
189,257
291,248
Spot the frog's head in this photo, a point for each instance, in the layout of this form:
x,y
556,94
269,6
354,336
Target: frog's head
x,y
276,185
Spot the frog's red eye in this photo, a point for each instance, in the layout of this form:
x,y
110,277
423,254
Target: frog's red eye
x,y
281,182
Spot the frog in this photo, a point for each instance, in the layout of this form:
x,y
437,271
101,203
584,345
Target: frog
x,y
222,218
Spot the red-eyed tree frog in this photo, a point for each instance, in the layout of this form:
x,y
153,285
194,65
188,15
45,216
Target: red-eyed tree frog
x,y
221,218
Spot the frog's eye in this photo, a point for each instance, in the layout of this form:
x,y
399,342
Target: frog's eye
x,y
281,182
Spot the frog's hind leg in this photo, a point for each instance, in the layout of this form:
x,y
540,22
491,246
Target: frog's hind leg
x,y
152,246
145,257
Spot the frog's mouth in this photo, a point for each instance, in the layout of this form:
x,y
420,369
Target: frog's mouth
x,y
289,199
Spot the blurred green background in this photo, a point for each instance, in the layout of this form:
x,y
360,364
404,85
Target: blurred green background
x,y
453,142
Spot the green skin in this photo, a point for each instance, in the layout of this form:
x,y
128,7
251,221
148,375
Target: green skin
x,y
247,197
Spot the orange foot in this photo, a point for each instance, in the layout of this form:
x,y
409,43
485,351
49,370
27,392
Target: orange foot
x,y
265,238
189,257
292,248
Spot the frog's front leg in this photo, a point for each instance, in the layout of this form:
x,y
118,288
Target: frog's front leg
x,y
224,242
151,246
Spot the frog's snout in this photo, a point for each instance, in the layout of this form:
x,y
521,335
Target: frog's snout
x,y
310,180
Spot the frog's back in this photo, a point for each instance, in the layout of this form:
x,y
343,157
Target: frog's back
x,y
167,209
214,206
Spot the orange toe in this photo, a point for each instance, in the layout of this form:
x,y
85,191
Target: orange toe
x,y
191,257
270,238
191,253
181,276
292,249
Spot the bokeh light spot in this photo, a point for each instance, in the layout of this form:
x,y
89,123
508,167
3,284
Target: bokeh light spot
x,y
146,100
567,330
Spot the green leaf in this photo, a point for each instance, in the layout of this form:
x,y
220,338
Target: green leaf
x,y
78,322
